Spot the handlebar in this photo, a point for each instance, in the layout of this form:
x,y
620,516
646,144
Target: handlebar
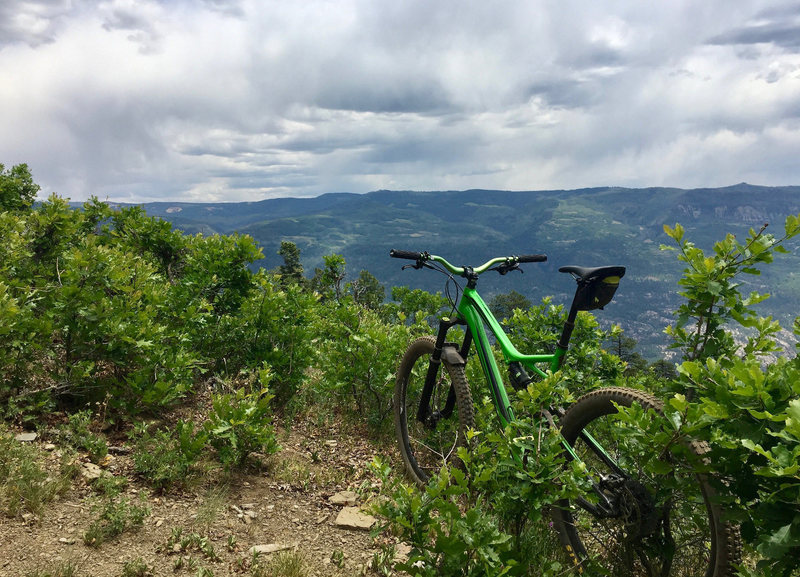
x,y
503,261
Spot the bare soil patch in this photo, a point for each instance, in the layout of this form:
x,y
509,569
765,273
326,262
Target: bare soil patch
x,y
287,504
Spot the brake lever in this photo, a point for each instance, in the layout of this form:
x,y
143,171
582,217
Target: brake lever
x,y
504,269
417,265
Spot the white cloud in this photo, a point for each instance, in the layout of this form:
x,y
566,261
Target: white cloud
x,y
213,100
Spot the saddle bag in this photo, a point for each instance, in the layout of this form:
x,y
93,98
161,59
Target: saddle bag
x,y
595,293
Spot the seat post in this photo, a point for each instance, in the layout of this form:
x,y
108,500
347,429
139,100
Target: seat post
x,y
566,333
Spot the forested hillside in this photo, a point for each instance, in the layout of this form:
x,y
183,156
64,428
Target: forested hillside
x,y
587,227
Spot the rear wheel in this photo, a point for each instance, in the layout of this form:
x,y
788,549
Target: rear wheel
x,y
428,444
649,514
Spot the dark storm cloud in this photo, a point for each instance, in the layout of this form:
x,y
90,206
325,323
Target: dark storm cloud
x,y
779,26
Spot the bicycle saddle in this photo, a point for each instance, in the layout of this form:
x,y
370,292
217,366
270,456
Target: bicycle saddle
x,y
583,273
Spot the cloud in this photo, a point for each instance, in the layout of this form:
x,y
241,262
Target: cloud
x,y
779,26
213,100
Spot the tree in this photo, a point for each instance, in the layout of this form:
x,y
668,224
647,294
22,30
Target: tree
x,y
291,270
368,291
625,348
17,189
503,305
328,281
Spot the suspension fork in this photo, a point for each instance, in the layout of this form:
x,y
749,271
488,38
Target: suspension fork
x,y
424,412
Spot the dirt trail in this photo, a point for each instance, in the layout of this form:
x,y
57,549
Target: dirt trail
x,y
288,505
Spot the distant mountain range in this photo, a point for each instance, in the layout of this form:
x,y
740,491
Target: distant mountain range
x,y
592,226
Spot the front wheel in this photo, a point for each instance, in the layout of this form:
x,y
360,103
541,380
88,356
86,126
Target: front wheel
x,y
433,441
648,512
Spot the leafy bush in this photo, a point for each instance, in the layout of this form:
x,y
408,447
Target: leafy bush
x,y
79,435
588,364
730,395
240,423
491,518
358,354
165,458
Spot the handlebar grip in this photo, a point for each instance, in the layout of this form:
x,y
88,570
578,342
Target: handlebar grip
x,y
406,254
532,258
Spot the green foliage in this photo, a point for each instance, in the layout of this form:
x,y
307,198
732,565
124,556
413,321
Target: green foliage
x,y
487,521
587,365
415,305
357,355
712,294
136,568
167,458
17,189
728,395
329,280
367,291
25,485
78,434
504,305
292,269
239,424
273,326
114,518
182,543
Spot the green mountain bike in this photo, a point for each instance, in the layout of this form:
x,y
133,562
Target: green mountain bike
x,y
645,514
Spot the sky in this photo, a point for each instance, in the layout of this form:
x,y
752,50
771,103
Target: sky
x,y
243,100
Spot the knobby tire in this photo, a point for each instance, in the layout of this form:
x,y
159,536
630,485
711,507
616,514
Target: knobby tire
x,y
426,447
668,522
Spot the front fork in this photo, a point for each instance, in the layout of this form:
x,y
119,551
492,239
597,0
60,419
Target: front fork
x,y
425,414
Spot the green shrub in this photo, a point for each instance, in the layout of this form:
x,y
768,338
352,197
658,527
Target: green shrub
x,y
166,458
240,424
78,434
358,353
115,517
491,518
729,394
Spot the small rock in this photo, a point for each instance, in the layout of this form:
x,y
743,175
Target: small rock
x,y
26,437
237,509
348,498
90,471
401,552
251,514
331,443
352,518
49,447
248,505
66,541
270,548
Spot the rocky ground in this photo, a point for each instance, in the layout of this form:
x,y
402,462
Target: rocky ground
x,y
308,508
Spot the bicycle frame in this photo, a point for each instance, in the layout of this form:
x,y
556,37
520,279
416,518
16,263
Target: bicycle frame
x,y
473,312
476,315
